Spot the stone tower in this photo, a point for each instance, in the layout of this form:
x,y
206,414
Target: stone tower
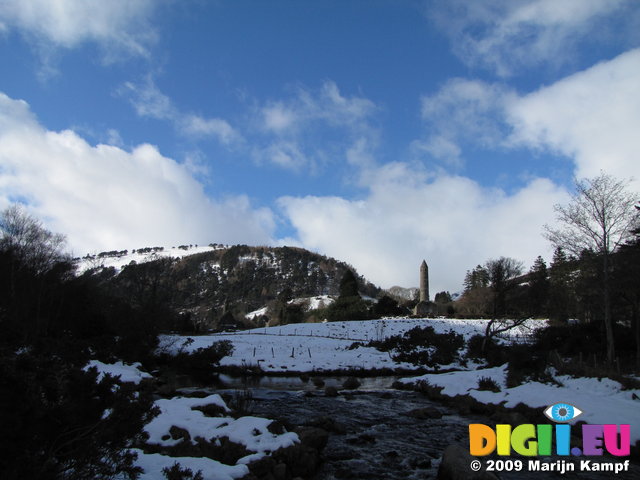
x,y
424,282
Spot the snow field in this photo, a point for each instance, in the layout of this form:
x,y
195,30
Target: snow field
x,y
321,347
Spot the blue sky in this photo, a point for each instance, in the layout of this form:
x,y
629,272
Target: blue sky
x,y
379,132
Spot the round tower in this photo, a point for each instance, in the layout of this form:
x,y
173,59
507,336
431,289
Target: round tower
x,y
424,282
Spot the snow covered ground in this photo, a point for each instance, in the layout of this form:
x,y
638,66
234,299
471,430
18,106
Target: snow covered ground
x,y
126,373
251,432
325,347
248,431
601,400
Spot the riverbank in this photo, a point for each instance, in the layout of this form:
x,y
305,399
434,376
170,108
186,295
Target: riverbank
x,y
325,382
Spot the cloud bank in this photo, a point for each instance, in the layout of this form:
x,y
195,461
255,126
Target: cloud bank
x,y
407,215
592,117
103,197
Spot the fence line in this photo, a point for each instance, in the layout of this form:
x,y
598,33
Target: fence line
x,y
222,334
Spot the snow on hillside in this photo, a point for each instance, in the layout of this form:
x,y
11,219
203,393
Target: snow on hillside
x,y
309,303
306,347
120,259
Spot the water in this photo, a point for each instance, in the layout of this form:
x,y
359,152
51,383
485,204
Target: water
x,y
306,384
379,441
374,438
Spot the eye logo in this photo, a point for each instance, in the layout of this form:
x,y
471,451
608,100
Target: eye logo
x,y
562,412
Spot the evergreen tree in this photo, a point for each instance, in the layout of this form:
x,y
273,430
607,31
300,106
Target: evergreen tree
x,y
348,285
538,287
561,299
626,282
477,278
443,297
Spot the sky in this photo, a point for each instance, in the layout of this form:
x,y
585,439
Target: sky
x,y
379,132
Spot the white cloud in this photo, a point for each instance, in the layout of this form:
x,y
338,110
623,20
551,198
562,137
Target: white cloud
x,y
408,215
278,118
507,35
118,27
286,155
148,101
441,148
463,111
301,129
199,127
592,117
104,197
327,105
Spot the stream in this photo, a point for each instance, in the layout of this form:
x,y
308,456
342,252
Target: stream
x,y
373,438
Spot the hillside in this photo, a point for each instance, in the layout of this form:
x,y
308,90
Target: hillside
x,y
203,283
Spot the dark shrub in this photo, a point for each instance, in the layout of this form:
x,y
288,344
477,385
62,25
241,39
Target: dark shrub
x,y
570,340
526,364
486,383
199,363
60,422
387,306
494,353
348,308
423,346
176,472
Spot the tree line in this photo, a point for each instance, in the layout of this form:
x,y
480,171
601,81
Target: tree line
x,y
593,278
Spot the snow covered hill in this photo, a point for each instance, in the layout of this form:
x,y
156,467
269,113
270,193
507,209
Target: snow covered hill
x,y
203,283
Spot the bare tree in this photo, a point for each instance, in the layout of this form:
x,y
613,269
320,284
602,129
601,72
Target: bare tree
x,y
31,256
29,241
502,274
600,218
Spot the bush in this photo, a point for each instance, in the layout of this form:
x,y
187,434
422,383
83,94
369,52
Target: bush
x,y
387,306
526,364
176,472
423,346
494,353
199,363
571,340
348,308
61,422
488,384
